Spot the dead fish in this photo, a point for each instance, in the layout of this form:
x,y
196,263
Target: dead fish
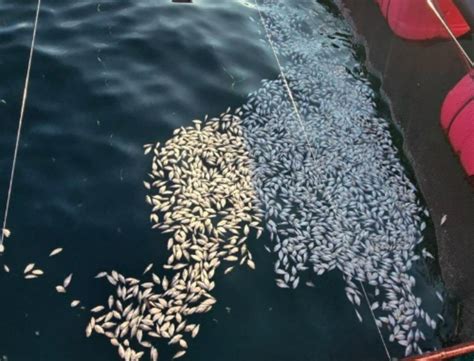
x,y
30,277
75,303
67,281
149,267
101,275
60,289
6,232
98,309
6,268
110,301
89,329
154,354
179,354
55,252
2,248
195,331
156,279
443,220
147,148
28,268
37,272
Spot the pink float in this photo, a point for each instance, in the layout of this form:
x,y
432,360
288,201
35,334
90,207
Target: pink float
x,y
467,158
412,19
457,120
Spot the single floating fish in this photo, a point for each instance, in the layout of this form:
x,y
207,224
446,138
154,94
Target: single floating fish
x,y
29,268
101,275
67,281
443,220
55,252
149,267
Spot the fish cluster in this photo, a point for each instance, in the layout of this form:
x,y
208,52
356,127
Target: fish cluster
x,y
334,193
201,194
31,272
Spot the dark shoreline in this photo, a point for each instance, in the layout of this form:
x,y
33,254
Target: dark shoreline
x,y
415,77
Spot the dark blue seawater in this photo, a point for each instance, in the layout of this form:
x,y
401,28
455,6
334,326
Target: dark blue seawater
x,y
107,78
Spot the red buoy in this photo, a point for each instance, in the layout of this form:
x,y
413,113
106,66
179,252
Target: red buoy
x,y
467,158
457,120
412,19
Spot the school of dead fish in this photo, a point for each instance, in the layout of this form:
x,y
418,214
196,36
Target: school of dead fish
x,y
334,192
201,195
335,197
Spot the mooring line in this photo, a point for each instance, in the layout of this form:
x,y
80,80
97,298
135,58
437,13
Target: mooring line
x,y
285,81
300,120
20,122
375,321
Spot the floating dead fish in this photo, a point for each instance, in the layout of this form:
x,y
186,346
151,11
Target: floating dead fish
x,y
67,281
98,309
443,219
148,268
37,272
55,252
147,148
29,268
101,275
179,354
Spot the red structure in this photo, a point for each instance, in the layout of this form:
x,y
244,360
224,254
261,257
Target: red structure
x,y
457,120
412,19
446,354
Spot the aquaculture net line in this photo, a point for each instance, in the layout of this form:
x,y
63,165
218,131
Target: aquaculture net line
x,y
300,121
20,122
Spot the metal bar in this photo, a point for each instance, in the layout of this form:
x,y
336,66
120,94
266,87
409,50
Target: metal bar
x,y
446,26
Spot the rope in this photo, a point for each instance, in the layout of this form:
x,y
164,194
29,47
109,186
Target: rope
x,y
375,321
20,122
298,116
285,81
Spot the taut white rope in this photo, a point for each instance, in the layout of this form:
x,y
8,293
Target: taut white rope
x,y
285,81
375,321
300,120
20,121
